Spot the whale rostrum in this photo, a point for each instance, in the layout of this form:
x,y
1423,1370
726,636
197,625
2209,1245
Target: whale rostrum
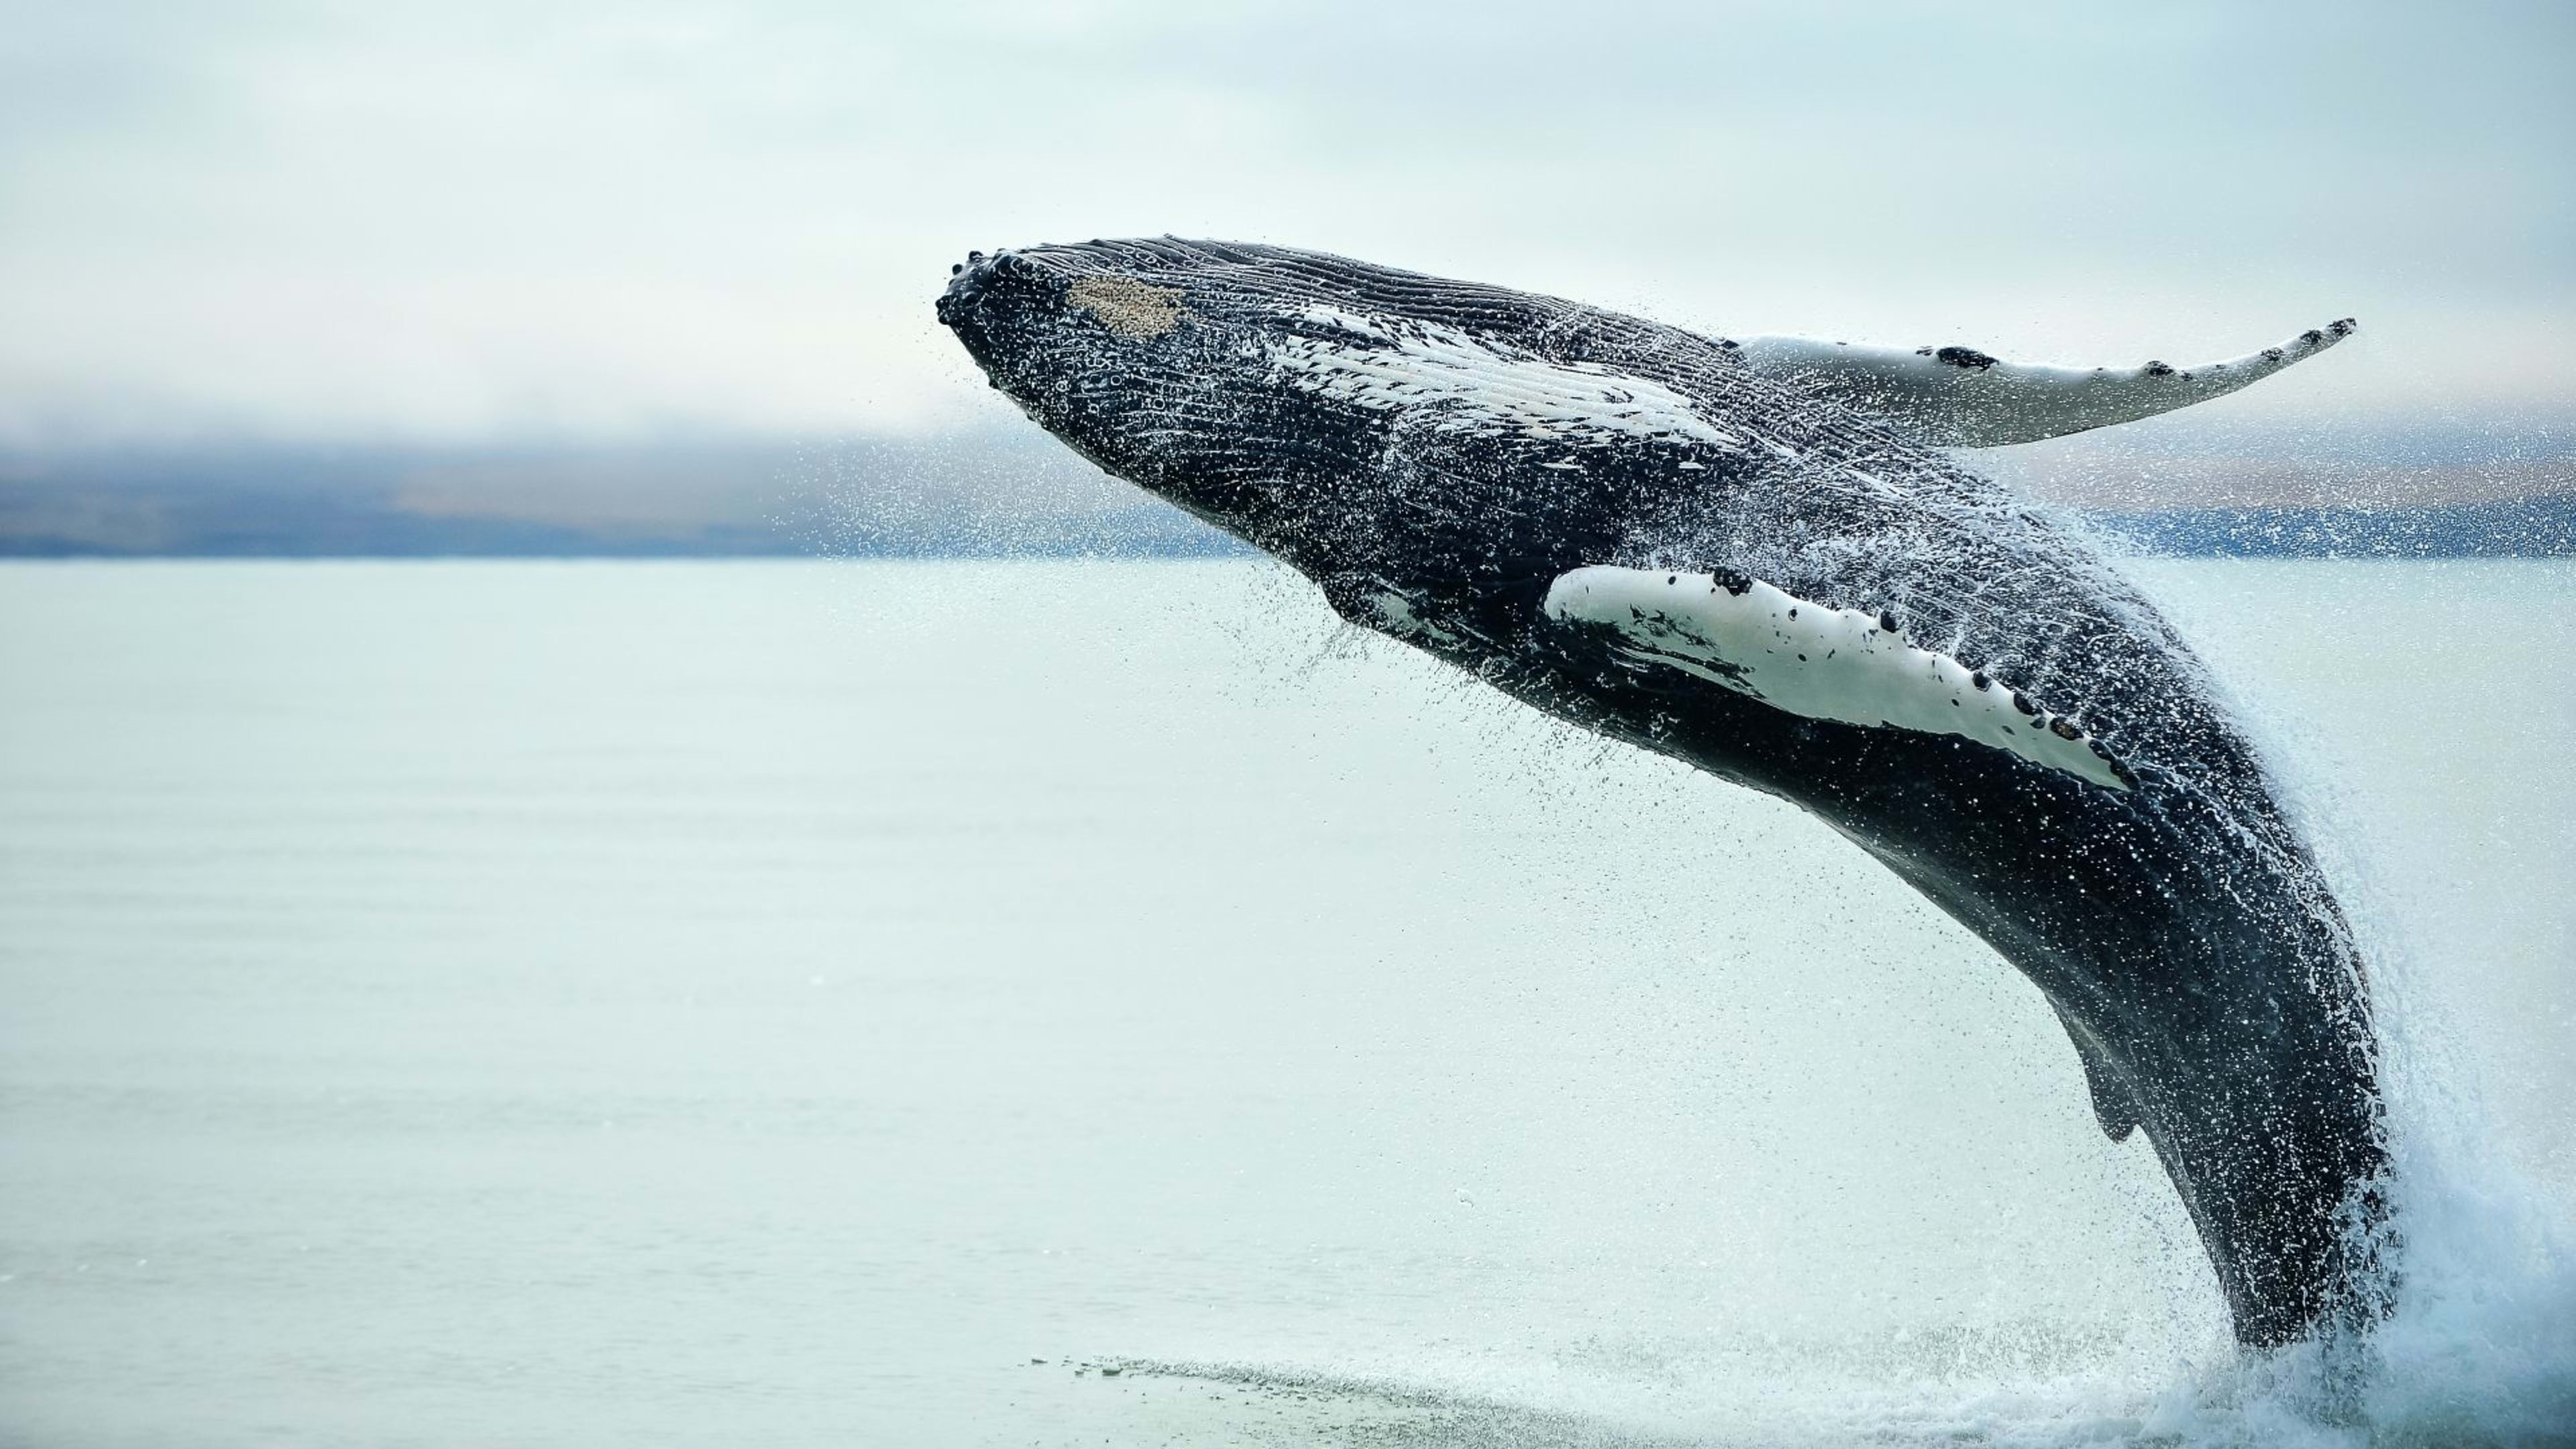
x,y
1758,558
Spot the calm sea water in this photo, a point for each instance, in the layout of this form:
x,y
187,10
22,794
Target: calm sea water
x,y
868,1003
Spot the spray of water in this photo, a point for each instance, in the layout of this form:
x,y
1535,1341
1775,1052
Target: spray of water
x,y
2480,1345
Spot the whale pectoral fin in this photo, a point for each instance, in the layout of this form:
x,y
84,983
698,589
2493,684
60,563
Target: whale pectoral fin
x,y
1960,397
1815,660
2114,1106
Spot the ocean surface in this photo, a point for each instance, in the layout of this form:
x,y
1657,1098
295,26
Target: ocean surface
x,y
854,1004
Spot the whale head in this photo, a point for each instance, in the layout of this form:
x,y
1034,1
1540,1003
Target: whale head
x,y
1108,350
1360,422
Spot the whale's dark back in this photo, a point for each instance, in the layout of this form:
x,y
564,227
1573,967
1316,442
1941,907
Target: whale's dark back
x,y
2181,928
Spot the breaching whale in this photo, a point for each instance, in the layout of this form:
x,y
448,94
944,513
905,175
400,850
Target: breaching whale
x,y
1754,555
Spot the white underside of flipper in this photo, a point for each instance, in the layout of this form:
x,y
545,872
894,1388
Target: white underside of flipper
x,y
1820,662
1960,397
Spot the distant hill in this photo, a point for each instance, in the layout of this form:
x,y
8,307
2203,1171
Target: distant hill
x,y
970,494
1016,493
2535,527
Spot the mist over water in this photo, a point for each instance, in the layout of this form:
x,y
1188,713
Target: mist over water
x,y
765,1003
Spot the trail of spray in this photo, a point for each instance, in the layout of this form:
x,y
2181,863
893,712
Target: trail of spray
x,y
2480,1345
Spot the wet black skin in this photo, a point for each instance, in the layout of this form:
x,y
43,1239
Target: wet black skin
x,y
2181,929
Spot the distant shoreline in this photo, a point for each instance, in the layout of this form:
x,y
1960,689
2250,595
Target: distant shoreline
x,y
2542,527
1004,494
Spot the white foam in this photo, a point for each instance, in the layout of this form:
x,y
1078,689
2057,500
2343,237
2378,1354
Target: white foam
x,y
1398,614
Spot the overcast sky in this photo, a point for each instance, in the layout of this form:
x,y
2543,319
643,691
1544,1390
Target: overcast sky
x,y
478,221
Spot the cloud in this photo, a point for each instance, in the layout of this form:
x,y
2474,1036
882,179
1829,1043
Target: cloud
x,y
476,221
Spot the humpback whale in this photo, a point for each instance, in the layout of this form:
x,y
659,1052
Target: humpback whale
x,y
1758,556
